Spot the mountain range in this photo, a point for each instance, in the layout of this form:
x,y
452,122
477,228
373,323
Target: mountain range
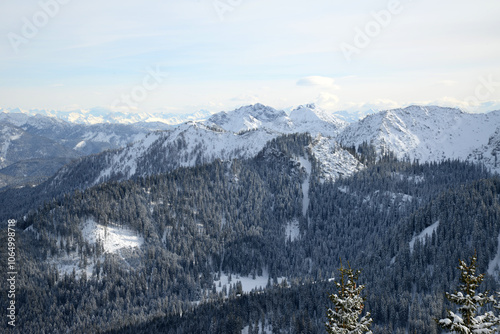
x,y
237,222
416,132
101,115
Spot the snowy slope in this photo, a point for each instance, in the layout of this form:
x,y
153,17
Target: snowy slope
x,y
428,133
188,145
422,237
113,238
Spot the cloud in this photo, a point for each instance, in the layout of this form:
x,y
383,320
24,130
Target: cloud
x,y
316,80
327,101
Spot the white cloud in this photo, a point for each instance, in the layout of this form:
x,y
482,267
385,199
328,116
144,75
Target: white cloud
x,y
319,81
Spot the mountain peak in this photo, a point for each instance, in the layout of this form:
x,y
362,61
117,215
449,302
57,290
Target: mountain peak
x,y
260,112
247,118
310,113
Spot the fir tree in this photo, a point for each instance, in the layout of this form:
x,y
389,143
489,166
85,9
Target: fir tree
x,y
344,318
469,301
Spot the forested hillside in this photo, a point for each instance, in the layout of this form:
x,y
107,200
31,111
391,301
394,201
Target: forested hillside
x,y
173,252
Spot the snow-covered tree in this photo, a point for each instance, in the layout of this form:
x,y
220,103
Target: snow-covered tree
x,y
469,300
344,318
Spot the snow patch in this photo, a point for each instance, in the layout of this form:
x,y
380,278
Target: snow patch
x,y
113,238
66,264
305,185
427,232
292,230
80,145
344,190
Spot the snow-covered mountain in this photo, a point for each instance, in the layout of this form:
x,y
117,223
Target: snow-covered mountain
x,y
429,134
192,144
312,119
249,118
240,134
308,118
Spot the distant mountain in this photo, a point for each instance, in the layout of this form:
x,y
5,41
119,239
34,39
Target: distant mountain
x,y
85,139
429,134
47,143
17,144
160,121
45,156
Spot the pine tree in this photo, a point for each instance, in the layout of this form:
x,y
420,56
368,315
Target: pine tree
x,y
344,319
469,301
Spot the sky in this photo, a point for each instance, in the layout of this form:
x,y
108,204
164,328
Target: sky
x,y
188,55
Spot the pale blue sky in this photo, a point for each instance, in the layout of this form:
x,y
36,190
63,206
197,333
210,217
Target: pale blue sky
x,y
281,53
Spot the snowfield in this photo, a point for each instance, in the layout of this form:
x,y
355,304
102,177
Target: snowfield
x,y
248,284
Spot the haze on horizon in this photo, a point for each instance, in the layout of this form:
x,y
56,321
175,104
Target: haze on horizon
x,y
180,57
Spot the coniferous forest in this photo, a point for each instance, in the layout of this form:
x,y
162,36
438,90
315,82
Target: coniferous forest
x,y
251,218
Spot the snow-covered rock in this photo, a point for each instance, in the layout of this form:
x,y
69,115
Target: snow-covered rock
x,y
334,161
